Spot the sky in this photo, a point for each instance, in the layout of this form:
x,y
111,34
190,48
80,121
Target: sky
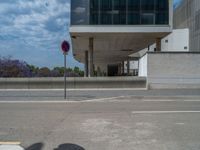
x,y
32,30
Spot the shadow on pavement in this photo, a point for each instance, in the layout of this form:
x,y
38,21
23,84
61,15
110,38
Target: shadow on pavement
x,y
69,146
36,146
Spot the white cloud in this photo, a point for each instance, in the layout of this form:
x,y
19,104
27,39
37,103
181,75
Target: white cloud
x,y
39,25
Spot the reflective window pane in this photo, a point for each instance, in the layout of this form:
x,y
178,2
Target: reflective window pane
x,y
79,12
148,19
162,18
120,19
94,12
106,5
133,18
134,5
119,5
94,18
162,5
147,5
119,12
106,18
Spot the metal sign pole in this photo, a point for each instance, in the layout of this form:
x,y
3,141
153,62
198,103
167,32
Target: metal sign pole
x,y
65,46
65,76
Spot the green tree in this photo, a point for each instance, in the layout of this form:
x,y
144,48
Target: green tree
x,y
44,72
78,71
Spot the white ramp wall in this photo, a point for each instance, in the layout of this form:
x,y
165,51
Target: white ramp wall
x,y
173,70
143,66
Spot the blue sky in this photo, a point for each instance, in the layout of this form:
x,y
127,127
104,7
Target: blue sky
x,y
32,30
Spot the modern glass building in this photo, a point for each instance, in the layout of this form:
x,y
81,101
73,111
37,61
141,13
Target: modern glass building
x,y
120,12
105,32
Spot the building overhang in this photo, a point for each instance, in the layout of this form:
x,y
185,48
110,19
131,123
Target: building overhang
x,y
81,29
113,44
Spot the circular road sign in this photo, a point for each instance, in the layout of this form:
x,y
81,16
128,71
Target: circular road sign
x,y
65,46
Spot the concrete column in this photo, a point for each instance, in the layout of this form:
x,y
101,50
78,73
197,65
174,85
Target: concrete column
x,y
91,57
122,67
86,63
119,69
158,44
128,67
99,72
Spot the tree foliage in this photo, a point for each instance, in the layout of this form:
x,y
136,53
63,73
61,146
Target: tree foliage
x,y
15,68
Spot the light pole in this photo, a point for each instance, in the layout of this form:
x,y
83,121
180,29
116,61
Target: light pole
x,y
65,46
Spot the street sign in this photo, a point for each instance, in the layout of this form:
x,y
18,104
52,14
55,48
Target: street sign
x,y
65,46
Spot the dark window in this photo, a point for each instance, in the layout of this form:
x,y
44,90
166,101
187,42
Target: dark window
x,y
120,18
106,5
120,5
121,12
162,18
162,5
106,12
94,12
147,5
106,18
94,18
133,18
94,5
148,19
134,5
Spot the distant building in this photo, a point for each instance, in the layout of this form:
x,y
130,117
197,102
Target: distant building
x,y
187,15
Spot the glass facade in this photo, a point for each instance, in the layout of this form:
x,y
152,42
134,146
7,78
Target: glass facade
x,y
122,12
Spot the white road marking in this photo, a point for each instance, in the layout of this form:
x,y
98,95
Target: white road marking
x,y
180,123
172,100
164,100
103,99
162,112
62,101
192,100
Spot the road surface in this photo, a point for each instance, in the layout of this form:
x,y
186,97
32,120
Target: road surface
x,y
115,122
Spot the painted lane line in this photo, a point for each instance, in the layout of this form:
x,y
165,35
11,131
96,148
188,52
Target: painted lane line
x,y
178,100
191,100
103,99
180,123
162,112
62,102
160,100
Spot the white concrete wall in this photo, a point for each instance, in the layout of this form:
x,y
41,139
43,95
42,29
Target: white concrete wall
x,y
143,66
178,40
133,66
173,70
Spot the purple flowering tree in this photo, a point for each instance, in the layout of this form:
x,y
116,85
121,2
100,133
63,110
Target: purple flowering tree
x,y
13,68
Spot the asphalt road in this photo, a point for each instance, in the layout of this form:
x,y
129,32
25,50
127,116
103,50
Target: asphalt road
x,y
120,123
82,95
